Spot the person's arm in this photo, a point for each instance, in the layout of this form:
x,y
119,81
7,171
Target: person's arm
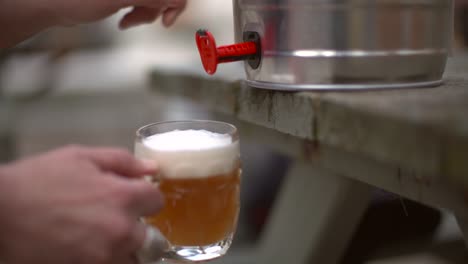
x,y
18,24
20,19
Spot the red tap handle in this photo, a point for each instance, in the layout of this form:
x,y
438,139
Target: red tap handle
x,y
211,56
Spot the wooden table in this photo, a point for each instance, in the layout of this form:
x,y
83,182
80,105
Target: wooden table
x,y
410,142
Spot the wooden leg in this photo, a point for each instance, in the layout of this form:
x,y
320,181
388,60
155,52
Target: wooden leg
x,y
314,217
462,220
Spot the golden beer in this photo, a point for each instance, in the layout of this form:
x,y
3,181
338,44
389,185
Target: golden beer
x,y
199,212
200,178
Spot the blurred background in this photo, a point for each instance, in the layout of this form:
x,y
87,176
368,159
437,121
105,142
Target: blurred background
x,y
89,85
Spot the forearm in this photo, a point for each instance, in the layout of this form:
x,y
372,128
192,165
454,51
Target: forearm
x,y
21,19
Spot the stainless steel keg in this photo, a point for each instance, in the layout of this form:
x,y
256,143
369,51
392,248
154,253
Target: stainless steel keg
x,y
346,44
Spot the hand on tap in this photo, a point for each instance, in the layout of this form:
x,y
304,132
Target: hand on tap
x,y
20,19
73,12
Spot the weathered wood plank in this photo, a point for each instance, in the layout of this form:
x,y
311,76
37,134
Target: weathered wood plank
x,y
397,179
423,130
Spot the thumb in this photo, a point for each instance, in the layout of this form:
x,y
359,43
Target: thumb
x,y
174,9
170,16
139,15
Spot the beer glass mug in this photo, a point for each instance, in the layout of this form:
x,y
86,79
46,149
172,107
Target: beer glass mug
x,y
199,175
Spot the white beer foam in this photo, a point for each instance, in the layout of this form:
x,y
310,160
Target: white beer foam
x,y
190,153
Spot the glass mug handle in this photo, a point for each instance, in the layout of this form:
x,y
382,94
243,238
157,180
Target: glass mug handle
x,y
154,248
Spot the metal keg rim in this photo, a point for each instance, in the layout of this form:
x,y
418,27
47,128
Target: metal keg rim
x,y
340,87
